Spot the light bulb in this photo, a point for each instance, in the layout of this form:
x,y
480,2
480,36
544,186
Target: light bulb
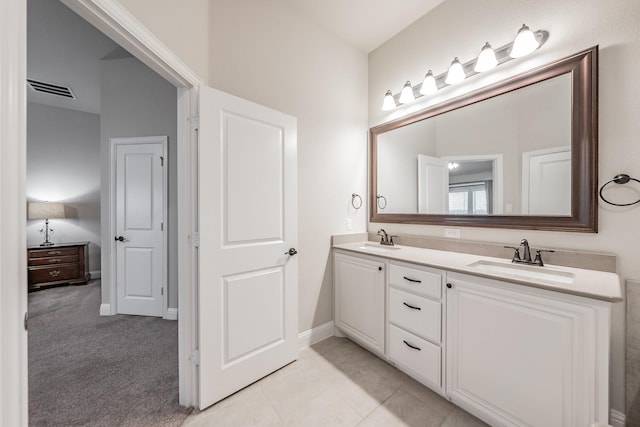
x,y
429,85
452,165
406,95
389,103
456,73
524,43
486,60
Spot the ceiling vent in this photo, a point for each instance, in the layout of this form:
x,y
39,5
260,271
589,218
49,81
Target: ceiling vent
x,y
51,89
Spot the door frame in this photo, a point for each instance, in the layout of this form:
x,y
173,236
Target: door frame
x,y
526,172
498,185
113,215
116,22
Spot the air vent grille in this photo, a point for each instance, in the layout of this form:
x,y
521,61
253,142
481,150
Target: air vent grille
x,y
51,89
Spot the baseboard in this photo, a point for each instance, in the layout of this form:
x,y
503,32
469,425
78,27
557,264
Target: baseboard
x,y
618,419
105,309
315,335
95,275
171,314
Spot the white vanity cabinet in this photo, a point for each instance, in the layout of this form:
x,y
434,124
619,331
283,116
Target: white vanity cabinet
x,y
359,295
519,356
415,309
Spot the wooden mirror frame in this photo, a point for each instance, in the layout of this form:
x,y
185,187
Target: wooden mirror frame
x,y
583,67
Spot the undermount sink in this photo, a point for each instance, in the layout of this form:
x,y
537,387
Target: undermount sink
x,y
377,247
524,271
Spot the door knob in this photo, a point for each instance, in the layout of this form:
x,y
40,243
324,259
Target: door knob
x,y
291,252
119,239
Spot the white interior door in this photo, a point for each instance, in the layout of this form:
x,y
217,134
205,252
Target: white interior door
x,y
248,297
546,182
140,194
433,185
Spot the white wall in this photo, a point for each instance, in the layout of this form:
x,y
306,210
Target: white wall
x,y
459,28
138,102
270,54
63,165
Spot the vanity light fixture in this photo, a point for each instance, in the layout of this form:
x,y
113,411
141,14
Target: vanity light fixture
x,y
406,96
525,42
456,72
429,84
389,102
486,60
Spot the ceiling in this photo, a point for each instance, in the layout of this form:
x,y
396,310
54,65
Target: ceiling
x,y
365,24
64,49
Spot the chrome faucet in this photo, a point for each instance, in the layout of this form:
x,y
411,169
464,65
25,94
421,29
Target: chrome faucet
x,y
526,256
385,239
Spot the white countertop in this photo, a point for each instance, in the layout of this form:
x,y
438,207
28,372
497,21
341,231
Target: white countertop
x,y
587,283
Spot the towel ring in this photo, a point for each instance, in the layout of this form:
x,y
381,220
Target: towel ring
x,y
356,200
622,178
378,197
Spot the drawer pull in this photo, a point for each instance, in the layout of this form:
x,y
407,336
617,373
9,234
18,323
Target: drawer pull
x,y
54,273
54,260
54,252
411,280
412,307
412,346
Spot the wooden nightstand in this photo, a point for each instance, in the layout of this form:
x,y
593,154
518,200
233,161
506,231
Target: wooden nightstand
x,y
66,263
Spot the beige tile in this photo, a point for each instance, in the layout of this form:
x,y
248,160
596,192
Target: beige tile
x,y
461,418
403,409
288,392
245,408
428,397
364,392
328,409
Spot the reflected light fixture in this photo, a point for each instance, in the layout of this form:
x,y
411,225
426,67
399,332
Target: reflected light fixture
x,y
452,165
524,43
486,60
406,95
389,103
456,72
429,85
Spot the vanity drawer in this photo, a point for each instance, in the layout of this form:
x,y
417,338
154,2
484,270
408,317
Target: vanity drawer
x,y
416,314
427,282
419,357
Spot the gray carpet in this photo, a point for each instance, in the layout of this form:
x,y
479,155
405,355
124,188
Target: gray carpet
x,y
86,369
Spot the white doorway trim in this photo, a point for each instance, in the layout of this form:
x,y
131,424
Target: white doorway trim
x,y
113,145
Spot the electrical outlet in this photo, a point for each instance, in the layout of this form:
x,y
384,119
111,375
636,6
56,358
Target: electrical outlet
x,y
347,225
452,233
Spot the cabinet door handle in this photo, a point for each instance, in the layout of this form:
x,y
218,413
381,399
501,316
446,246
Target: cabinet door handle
x,y
411,280
54,273
449,285
412,346
412,307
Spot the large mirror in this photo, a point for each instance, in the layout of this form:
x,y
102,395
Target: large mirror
x,y
519,154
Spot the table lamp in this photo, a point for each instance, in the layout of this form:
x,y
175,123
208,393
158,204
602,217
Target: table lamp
x,y
46,211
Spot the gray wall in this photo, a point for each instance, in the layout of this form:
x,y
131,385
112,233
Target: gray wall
x,y
63,165
138,102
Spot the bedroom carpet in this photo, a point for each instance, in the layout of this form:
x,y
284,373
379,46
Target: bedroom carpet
x,y
86,369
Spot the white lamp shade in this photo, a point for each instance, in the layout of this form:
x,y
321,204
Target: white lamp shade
x,y
429,85
388,103
45,210
456,73
524,43
486,60
406,95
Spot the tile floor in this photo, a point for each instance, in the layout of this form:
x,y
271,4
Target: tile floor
x,y
335,383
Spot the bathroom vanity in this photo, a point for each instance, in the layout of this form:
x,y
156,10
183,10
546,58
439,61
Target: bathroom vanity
x,y
512,344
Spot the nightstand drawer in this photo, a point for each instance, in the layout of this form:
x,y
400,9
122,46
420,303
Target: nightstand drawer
x,y
63,259
416,314
52,252
53,274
